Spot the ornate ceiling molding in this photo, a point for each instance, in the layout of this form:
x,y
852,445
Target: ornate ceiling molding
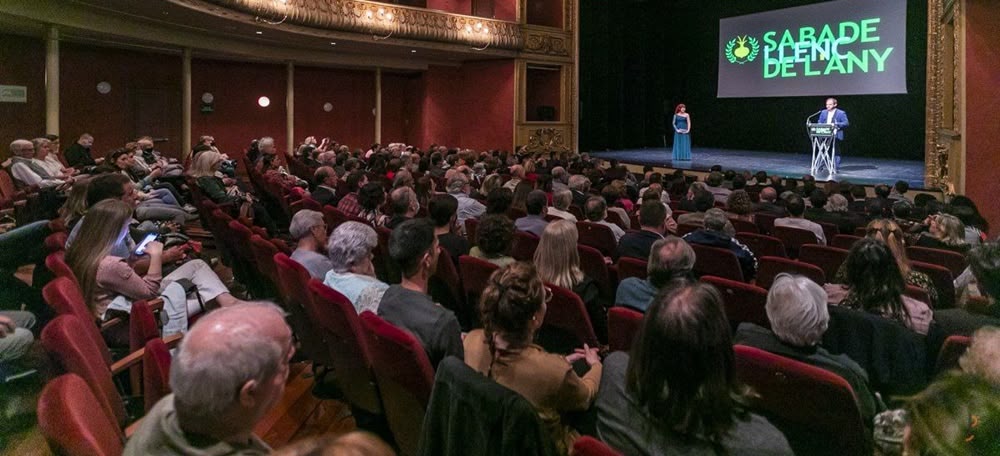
x,y
366,17
547,43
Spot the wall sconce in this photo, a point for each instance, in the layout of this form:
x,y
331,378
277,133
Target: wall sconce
x,y
264,102
207,100
282,6
379,21
104,87
478,35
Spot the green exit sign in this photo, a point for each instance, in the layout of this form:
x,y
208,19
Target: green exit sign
x,y
13,94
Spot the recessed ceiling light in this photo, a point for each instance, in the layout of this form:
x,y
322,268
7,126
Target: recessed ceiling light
x,y
413,51
260,32
333,43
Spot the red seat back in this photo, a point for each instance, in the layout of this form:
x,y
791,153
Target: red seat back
x,y
143,326
56,263
241,237
716,261
953,261
685,228
743,302
829,230
592,264
73,421
844,241
762,244
65,297
943,282
78,355
744,226
293,282
623,326
810,398
56,241
471,228
824,257
445,286
769,267
951,350
524,247
311,204
405,379
793,238
341,329
631,267
333,216
616,218
567,314
589,446
155,372
598,236
475,276
765,222
263,253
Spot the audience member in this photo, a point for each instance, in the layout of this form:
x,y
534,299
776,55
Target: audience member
x,y
536,207
494,240
653,221
596,211
27,171
690,401
348,203
204,170
229,372
407,305
958,414
350,249
579,185
713,184
442,211
458,187
370,198
558,263
796,207
404,206
796,309
671,260
512,309
739,206
308,230
561,200
768,204
714,235
326,181
944,231
78,154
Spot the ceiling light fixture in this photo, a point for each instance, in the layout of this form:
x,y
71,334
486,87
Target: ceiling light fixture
x,y
282,7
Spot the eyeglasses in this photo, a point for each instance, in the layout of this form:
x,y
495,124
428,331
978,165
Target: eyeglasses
x,y
548,294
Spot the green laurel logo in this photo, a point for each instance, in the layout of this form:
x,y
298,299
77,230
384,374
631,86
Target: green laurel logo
x,y
742,49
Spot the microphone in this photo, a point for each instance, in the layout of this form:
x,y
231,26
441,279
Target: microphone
x,y
814,115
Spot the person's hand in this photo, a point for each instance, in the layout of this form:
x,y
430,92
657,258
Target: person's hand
x,y
99,160
589,354
227,181
7,326
154,249
175,253
156,173
169,227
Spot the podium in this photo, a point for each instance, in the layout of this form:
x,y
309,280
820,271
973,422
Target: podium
x,y
823,137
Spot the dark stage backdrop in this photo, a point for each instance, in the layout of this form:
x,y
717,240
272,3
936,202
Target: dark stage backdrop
x,y
639,58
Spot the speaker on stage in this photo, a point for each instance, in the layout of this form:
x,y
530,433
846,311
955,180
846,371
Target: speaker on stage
x,y
546,113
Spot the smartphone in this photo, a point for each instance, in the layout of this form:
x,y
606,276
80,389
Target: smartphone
x,y
141,248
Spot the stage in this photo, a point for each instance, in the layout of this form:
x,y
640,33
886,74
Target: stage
x,y
858,170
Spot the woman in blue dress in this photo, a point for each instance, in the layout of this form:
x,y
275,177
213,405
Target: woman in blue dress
x,y
682,134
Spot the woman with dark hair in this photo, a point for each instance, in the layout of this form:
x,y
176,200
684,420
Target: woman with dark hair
x,y
371,197
875,284
682,134
520,198
512,309
499,200
740,206
425,188
975,224
891,234
494,239
676,392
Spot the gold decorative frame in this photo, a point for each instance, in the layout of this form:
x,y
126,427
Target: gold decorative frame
x,y
943,141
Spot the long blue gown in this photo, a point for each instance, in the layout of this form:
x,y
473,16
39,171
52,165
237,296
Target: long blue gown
x,y
682,141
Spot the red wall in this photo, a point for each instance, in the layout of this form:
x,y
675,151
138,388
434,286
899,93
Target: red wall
x,y
115,118
982,140
451,6
542,88
505,10
23,64
399,106
352,94
469,106
237,118
545,12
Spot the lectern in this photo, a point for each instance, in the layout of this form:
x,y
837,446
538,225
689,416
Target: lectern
x,y
823,137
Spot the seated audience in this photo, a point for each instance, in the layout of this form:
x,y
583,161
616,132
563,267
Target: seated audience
x,y
404,206
796,206
459,187
714,235
512,309
27,171
204,169
702,201
16,337
653,221
976,225
768,203
536,207
713,184
326,181
579,185
308,230
888,232
407,305
350,249
596,211
876,285
615,197
370,198
945,232
348,203
46,157
494,239
836,212
516,176
110,284
956,415
558,263
499,201
796,309
561,199
442,211
739,206
228,373
78,154
690,401
671,260
519,200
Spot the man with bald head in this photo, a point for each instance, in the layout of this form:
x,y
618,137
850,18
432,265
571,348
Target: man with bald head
x,y
325,193
230,370
768,204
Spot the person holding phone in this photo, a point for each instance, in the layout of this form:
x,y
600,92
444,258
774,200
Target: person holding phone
x,y
110,284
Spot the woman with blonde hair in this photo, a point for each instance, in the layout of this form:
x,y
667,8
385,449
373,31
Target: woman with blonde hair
x,y
109,283
558,263
512,309
76,203
891,234
944,231
490,183
204,168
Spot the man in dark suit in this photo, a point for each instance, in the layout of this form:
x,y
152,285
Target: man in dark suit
x,y
78,154
838,117
652,218
579,184
326,186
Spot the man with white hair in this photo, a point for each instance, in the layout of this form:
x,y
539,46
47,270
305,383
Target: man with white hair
x,y
458,186
308,229
229,371
353,274
516,175
27,171
796,309
325,192
579,185
561,199
403,204
559,179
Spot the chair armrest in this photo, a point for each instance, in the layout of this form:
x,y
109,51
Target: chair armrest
x,y
130,429
172,340
111,324
131,360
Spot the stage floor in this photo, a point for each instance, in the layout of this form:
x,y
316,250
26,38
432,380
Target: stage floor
x,y
859,170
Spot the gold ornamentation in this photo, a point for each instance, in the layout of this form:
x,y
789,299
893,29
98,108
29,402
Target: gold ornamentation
x,y
546,140
939,137
541,43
